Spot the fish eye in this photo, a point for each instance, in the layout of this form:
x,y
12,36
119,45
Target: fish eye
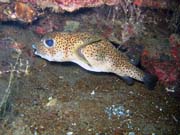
x,y
49,42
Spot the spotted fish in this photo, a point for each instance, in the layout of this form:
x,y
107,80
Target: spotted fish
x,y
92,52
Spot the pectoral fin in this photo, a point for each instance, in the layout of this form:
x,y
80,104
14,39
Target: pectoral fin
x,y
128,80
86,42
81,57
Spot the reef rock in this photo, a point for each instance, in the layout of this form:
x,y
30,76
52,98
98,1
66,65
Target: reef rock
x,y
70,5
5,1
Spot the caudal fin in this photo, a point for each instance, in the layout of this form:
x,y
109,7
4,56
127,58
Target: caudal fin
x,y
150,81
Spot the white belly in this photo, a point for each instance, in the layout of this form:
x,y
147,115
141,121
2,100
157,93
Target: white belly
x,y
95,67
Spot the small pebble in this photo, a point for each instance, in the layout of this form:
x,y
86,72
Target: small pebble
x,y
73,124
93,92
170,89
131,133
117,110
50,98
69,133
52,102
61,77
35,132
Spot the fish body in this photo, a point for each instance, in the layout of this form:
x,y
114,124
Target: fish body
x,y
92,52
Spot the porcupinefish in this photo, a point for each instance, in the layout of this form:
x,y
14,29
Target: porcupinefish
x,y
91,52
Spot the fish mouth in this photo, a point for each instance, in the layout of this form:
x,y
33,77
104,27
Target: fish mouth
x,y
42,55
34,49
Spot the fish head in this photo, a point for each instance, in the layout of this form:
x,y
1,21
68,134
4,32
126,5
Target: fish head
x,y
49,49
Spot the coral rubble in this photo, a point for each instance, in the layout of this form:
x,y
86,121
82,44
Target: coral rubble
x,y
24,12
17,11
72,5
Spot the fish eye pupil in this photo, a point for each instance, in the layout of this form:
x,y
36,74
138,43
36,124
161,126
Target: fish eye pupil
x,y
49,42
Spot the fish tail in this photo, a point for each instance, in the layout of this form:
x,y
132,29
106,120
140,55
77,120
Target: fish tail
x,y
150,81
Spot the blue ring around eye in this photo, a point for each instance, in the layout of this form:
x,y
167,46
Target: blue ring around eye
x,y
49,42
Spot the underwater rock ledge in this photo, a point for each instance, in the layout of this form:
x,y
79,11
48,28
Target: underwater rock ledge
x,y
27,11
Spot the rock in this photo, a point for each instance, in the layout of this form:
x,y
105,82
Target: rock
x,y
71,26
5,1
